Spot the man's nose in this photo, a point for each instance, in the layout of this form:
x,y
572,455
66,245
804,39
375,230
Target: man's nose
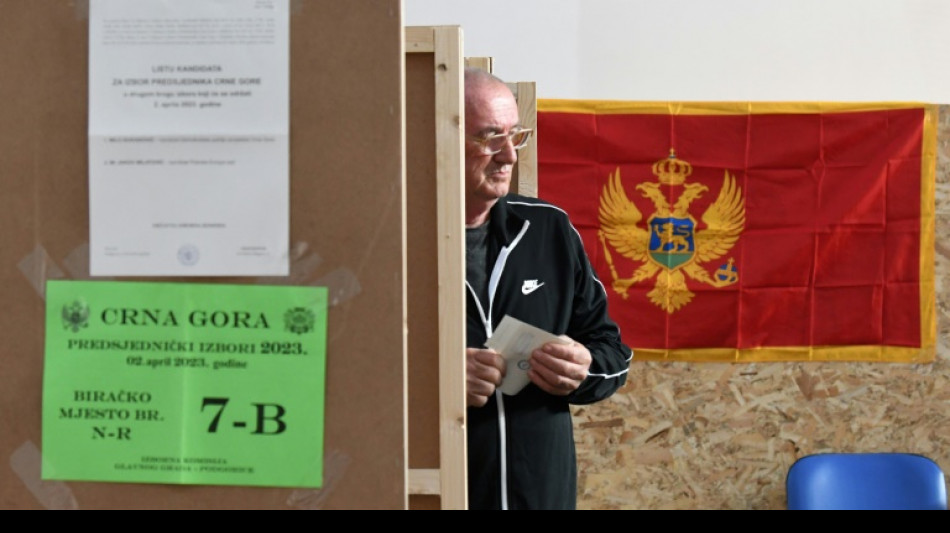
x,y
508,154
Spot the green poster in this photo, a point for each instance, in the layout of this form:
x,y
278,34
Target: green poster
x,y
184,383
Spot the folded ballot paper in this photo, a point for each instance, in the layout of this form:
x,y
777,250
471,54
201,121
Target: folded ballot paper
x,y
515,340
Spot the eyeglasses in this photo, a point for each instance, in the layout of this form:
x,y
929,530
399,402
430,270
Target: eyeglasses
x,y
493,144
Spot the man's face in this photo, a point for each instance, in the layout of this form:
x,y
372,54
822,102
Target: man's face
x,y
490,109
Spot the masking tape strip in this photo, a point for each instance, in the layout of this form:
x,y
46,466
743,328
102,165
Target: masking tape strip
x,y
26,462
38,267
77,262
303,263
335,464
81,9
342,285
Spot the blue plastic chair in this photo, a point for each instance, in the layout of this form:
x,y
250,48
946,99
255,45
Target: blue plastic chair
x,y
865,481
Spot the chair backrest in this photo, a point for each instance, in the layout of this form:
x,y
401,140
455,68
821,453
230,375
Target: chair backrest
x,y
865,481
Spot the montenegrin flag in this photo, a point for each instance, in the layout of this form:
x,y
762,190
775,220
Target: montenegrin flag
x,y
739,232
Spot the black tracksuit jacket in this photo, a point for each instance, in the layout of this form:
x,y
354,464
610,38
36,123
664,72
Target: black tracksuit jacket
x,y
521,448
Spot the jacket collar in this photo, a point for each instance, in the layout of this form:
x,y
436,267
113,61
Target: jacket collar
x,y
503,221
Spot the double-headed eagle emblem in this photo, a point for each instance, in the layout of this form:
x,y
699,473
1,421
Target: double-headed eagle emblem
x,y
669,244
75,315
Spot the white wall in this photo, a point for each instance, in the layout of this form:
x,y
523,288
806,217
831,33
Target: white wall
x,y
828,50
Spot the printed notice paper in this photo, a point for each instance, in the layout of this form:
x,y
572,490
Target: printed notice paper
x,y
184,383
188,137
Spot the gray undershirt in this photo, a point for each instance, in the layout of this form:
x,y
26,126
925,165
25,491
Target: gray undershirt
x,y
476,260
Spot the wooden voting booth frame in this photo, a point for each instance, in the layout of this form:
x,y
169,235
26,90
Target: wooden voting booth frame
x,y
436,363
435,113
347,146
525,178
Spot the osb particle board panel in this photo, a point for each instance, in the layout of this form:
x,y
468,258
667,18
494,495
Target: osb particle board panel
x,y
722,436
346,233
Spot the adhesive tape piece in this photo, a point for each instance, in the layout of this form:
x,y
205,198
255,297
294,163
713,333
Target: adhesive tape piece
x,y
26,461
335,464
37,267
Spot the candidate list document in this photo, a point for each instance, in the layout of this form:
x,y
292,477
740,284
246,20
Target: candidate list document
x,y
189,137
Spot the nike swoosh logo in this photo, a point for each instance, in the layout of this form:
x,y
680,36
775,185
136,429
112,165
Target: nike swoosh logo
x,y
528,289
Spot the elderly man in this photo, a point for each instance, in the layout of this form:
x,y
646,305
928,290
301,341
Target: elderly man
x,y
525,259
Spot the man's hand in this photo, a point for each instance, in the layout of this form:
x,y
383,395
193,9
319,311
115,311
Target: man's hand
x,y
559,369
484,370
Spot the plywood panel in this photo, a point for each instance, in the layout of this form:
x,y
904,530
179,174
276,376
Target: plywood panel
x,y
347,233
422,247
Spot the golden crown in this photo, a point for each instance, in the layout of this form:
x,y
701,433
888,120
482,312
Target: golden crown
x,y
672,171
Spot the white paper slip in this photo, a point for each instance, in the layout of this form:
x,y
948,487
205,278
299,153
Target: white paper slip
x,y
515,340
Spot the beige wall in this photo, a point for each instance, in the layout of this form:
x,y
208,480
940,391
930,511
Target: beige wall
x,y
722,436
